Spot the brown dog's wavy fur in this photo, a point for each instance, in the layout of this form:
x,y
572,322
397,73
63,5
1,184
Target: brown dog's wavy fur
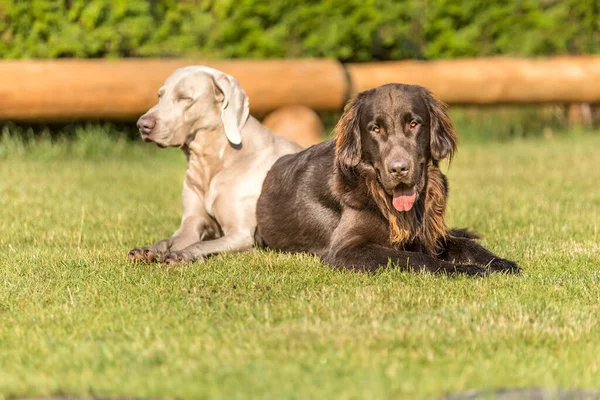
x,y
347,137
401,225
430,228
404,226
434,224
444,140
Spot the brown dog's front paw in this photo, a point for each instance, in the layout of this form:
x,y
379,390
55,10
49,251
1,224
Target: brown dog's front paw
x,y
141,254
506,266
471,270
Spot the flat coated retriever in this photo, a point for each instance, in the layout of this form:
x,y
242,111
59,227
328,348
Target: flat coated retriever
x,y
375,194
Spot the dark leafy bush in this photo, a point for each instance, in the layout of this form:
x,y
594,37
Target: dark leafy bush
x,y
349,30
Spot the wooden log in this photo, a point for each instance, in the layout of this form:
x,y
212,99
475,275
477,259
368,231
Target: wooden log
x,y
66,89
495,80
299,124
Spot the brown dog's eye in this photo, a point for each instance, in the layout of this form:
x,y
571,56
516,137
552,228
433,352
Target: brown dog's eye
x,y
413,124
376,130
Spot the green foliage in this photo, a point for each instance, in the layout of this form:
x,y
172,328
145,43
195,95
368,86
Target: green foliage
x,y
349,30
528,27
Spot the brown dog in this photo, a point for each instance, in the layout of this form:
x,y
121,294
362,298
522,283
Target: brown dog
x,y
375,194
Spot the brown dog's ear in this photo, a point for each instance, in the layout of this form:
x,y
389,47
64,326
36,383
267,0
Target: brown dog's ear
x,y
347,136
443,136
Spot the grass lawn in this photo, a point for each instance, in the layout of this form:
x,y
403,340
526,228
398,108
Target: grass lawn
x,y
77,318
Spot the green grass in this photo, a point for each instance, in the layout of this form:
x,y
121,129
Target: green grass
x,y
76,318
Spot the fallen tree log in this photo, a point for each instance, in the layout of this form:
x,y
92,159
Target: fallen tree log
x,y
497,80
63,90
66,90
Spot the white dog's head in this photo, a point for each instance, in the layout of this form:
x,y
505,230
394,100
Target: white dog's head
x,y
192,100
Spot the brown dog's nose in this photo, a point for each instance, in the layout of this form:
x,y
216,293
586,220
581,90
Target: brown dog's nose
x,y
399,168
146,123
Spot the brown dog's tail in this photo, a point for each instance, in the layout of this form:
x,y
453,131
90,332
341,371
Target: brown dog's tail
x,y
463,233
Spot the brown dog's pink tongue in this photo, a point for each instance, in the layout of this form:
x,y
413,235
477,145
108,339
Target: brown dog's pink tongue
x,y
404,199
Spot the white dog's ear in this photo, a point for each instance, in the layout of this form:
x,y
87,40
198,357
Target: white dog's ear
x,y
235,108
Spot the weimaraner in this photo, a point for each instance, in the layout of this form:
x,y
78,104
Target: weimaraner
x,y
206,113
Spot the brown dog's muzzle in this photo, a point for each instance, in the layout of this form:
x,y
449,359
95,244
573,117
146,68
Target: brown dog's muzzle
x,y
399,168
401,180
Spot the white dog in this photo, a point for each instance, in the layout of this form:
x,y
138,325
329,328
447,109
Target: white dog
x,y
206,113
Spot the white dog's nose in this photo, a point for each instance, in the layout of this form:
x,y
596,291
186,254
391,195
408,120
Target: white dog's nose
x,y
146,123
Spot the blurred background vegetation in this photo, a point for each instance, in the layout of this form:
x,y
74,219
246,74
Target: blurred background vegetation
x,y
347,30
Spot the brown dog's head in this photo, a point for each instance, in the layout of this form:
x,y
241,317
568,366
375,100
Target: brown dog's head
x,y
395,130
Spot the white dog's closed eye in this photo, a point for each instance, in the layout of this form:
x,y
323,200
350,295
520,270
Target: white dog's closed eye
x,y
235,108
185,97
